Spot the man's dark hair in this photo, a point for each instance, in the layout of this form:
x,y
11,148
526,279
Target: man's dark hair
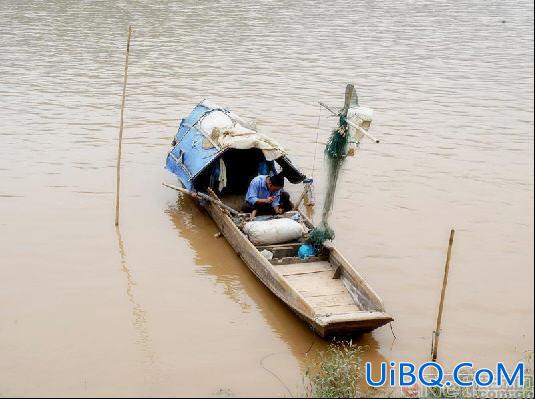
x,y
277,180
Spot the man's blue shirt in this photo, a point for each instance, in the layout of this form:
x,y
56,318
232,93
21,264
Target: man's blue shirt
x,y
258,190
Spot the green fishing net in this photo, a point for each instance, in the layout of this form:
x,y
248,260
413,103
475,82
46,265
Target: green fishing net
x,y
336,148
320,234
335,154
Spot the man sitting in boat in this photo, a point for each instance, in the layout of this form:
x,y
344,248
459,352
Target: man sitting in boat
x,y
266,197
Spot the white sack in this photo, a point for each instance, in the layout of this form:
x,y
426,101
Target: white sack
x,y
274,231
362,117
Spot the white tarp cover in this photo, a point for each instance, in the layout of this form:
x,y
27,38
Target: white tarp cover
x,y
227,130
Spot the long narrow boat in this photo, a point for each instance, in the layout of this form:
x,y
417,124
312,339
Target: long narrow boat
x,y
215,154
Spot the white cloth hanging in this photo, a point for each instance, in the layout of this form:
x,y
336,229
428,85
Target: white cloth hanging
x,y
222,175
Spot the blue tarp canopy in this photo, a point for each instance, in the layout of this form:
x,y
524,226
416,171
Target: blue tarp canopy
x,y
188,157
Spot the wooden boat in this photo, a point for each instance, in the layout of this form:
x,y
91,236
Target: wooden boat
x,y
324,290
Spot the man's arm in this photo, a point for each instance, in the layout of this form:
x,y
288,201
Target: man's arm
x,y
276,202
276,199
267,200
252,193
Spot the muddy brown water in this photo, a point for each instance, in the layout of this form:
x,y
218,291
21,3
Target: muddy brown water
x,y
161,307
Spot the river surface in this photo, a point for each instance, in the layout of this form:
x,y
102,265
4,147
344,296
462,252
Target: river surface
x,y
160,306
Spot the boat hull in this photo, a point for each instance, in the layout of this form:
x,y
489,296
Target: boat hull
x,y
284,285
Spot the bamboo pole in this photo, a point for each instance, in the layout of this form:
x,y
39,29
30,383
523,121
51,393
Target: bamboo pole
x,y
119,150
436,333
306,189
200,195
361,130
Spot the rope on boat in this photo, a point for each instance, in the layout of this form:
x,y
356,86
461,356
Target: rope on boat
x,y
316,142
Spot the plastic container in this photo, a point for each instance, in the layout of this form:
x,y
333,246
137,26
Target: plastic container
x,y
305,251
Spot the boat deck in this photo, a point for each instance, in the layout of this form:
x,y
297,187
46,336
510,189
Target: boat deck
x,y
316,282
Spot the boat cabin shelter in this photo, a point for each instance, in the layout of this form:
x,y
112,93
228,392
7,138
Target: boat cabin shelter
x,y
216,148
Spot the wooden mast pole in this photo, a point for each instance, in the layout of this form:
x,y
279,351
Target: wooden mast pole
x,y
119,150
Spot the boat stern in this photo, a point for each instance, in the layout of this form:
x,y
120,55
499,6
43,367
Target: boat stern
x,y
350,324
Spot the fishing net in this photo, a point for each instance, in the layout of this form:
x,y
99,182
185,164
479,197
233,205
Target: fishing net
x,y
320,234
335,154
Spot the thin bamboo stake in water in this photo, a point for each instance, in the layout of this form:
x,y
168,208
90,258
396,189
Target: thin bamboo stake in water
x,y
121,128
442,295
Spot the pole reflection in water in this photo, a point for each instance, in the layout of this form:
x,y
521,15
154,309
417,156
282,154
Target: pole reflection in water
x,y
139,315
